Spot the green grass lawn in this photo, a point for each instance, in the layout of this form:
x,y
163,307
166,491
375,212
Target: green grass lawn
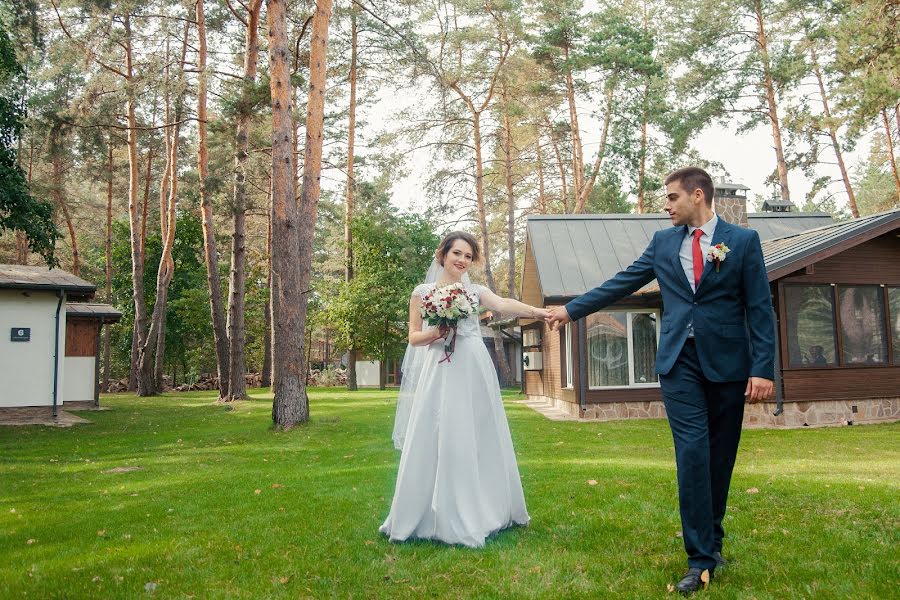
x,y
220,506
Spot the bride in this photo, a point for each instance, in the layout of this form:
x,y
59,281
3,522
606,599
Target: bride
x,y
458,480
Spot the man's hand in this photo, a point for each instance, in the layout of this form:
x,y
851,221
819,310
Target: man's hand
x,y
759,389
558,317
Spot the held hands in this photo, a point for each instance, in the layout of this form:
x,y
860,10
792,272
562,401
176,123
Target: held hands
x,y
541,314
759,389
557,317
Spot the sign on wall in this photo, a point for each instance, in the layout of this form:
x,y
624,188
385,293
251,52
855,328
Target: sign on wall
x,y
20,334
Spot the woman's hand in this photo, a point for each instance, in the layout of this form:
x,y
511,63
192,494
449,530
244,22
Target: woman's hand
x,y
440,333
539,313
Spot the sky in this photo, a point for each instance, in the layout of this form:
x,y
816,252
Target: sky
x,y
748,158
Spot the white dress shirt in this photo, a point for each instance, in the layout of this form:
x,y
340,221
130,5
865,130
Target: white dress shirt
x,y
686,253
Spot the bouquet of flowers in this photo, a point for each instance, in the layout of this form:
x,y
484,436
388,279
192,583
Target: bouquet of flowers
x,y
443,308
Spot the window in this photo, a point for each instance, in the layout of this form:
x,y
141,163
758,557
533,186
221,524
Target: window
x,y
621,348
863,338
810,325
569,369
894,312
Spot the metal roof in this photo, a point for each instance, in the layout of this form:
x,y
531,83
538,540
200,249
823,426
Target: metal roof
x,y
575,253
93,310
789,253
21,277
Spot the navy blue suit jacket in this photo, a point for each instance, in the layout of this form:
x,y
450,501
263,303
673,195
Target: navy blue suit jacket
x,y
731,311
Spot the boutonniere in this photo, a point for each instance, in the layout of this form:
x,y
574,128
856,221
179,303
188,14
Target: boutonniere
x,y
717,254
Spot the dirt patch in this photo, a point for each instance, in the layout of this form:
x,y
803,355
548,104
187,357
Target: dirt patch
x,y
123,469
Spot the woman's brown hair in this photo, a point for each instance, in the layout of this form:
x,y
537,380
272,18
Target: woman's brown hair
x,y
444,247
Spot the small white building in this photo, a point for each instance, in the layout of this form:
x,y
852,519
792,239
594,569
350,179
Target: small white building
x,y
49,338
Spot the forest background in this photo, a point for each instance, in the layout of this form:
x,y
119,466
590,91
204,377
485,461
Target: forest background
x,y
257,185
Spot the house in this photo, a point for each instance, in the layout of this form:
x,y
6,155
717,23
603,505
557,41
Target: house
x,y
49,349
835,289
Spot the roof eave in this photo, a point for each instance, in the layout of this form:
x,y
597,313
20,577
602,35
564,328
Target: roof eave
x,y
787,266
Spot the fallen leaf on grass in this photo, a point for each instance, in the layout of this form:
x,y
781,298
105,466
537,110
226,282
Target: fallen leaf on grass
x,y
670,588
753,491
150,587
31,541
101,533
592,482
679,534
276,486
369,543
97,578
257,492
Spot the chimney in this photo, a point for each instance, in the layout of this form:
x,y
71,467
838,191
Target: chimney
x,y
733,210
730,203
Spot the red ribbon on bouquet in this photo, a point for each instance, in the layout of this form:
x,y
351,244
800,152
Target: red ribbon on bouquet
x,y
450,344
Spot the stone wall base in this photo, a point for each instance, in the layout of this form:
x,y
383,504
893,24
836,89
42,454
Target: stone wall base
x,y
823,413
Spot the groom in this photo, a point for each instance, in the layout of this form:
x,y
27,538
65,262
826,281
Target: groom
x,y
716,349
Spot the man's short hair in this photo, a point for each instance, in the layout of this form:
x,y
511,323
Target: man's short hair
x,y
693,178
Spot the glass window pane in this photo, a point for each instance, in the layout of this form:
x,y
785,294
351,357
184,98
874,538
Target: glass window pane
x,y
862,325
607,343
643,331
894,299
810,325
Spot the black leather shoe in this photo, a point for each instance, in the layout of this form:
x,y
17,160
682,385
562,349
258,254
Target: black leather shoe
x,y
692,581
720,562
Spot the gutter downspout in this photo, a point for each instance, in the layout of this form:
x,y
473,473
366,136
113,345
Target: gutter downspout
x,y
581,387
97,367
779,383
62,296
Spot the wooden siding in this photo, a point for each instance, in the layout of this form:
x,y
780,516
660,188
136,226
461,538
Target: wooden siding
x,y
809,385
546,382
876,262
623,395
81,337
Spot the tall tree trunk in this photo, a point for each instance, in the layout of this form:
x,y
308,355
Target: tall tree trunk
x,y
769,88
293,227
510,203
349,202
542,193
108,296
587,186
145,204
832,134
266,380
237,386
564,193
890,143
152,351
211,257
477,143
59,198
642,165
137,257
577,151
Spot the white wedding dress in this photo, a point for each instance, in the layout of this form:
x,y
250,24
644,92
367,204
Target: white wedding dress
x,y
458,480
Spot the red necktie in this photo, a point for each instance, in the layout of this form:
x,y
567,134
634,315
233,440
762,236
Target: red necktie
x,y
698,258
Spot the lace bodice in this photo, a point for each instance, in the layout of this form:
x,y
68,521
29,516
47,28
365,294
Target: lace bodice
x,y
468,326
